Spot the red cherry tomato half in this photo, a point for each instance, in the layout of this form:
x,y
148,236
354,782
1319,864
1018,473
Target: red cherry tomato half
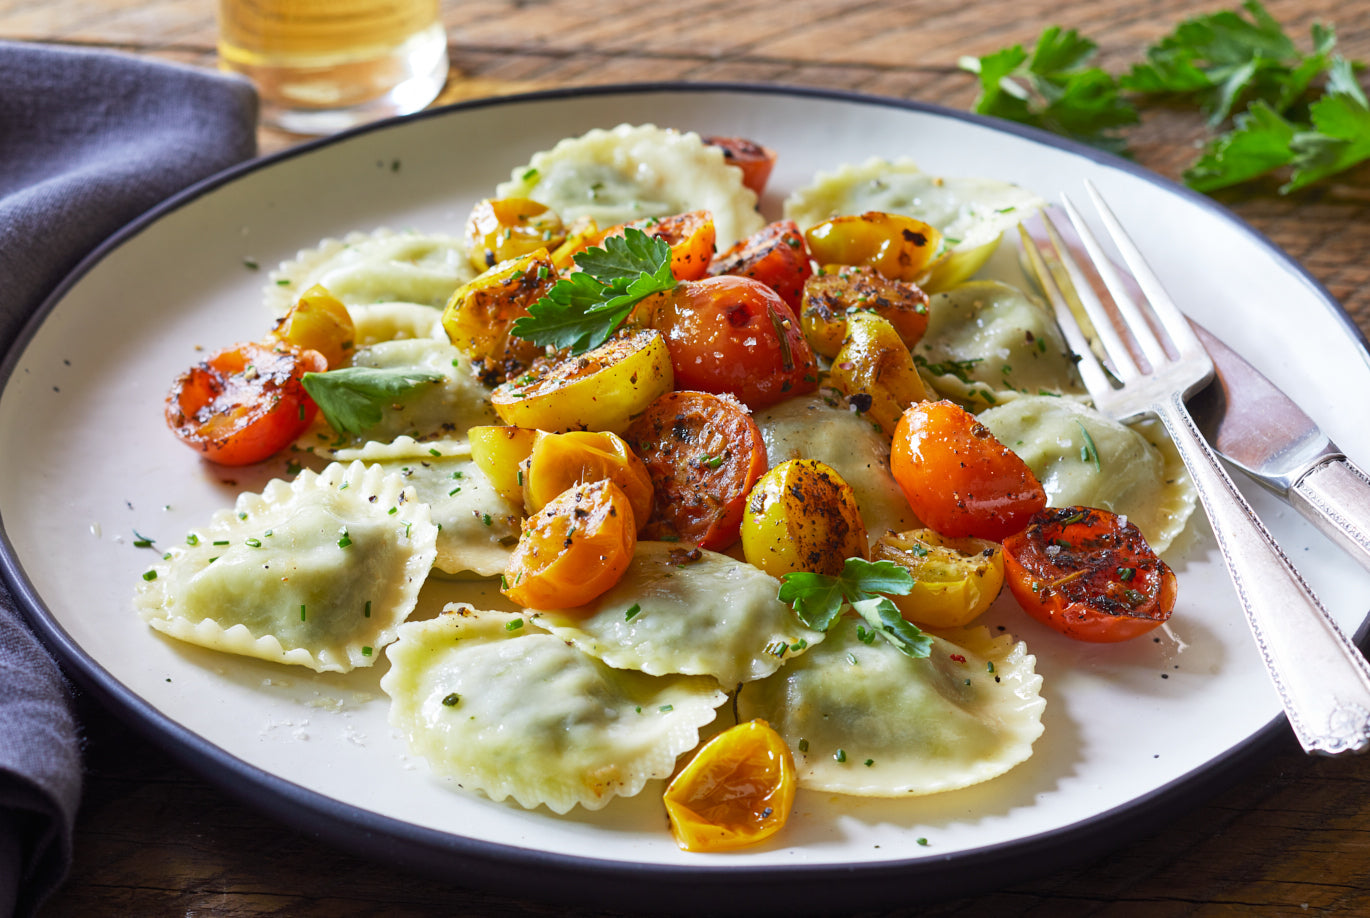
x,y
1089,575
958,478
704,453
776,255
752,158
244,403
734,335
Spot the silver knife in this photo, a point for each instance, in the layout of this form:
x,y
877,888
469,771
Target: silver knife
x,y
1260,430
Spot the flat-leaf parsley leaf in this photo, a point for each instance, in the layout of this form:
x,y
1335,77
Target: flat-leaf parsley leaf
x,y
819,600
584,308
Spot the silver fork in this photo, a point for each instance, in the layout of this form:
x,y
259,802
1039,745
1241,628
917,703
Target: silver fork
x,y
1322,680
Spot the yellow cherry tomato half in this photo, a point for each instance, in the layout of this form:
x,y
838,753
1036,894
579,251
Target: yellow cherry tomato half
x,y
802,516
875,370
479,316
559,460
898,247
499,453
573,549
737,790
954,580
319,322
503,228
599,390
838,292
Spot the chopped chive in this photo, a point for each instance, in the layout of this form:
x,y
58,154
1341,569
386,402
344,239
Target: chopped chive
x,y
302,614
840,755
192,539
149,575
253,543
345,541
666,708
1089,452
633,610
366,651
515,625
366,610
803,745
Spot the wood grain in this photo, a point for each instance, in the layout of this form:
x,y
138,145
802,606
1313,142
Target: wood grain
x,y
1290,838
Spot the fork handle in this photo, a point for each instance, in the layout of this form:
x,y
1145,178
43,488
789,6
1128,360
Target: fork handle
x,y
1335,495
1322,680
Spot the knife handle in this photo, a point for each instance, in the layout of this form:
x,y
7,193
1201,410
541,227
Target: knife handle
x,y
1322,679
1335,495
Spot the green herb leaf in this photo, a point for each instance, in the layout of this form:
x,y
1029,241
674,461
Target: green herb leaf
x,y
1054,89
819,600
583,309
1259,143
1225,61
1340,135
355,398
883,615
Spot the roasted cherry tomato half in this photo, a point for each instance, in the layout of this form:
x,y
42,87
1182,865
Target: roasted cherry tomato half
x,y
244,403
898,247
875,371
1089,574
479,316
691,237
802,516
957,477
319,322
755,161
737,790
733,335
599,390
573,549
704,453
776,255
836,293
499,453
503,228
954,580
559,460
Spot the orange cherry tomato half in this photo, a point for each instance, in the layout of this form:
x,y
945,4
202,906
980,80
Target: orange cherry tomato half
x,y
1089,575
573,549
958,478
559,460
704,453
752,158
776,255
690,235
244,403
734,335
737,790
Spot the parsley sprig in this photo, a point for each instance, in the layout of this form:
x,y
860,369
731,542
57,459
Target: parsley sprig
x,y
863,586
1055,89
584,308
355,398
1270,106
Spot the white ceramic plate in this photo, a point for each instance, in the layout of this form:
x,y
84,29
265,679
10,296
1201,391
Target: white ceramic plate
x,y
87,462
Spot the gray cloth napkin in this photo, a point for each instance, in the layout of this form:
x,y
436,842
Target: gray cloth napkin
x,y
88,141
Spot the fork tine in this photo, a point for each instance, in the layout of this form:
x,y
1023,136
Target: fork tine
x,y
1164,308
1115,349
1122,297
1058,292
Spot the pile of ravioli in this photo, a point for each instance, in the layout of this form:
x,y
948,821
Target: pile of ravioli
x,y
575,707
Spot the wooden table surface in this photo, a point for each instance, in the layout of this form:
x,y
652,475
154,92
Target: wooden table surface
x,y
1290,836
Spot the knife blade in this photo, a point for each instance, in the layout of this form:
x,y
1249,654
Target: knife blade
x,y
1260,430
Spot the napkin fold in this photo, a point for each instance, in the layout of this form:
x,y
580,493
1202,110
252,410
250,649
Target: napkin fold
x,y
89,140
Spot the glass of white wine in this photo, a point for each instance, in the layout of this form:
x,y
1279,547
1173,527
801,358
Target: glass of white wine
x,y
321,66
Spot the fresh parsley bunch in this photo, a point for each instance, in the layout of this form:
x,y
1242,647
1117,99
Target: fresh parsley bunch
x,y
1283,108
820,599
584,308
